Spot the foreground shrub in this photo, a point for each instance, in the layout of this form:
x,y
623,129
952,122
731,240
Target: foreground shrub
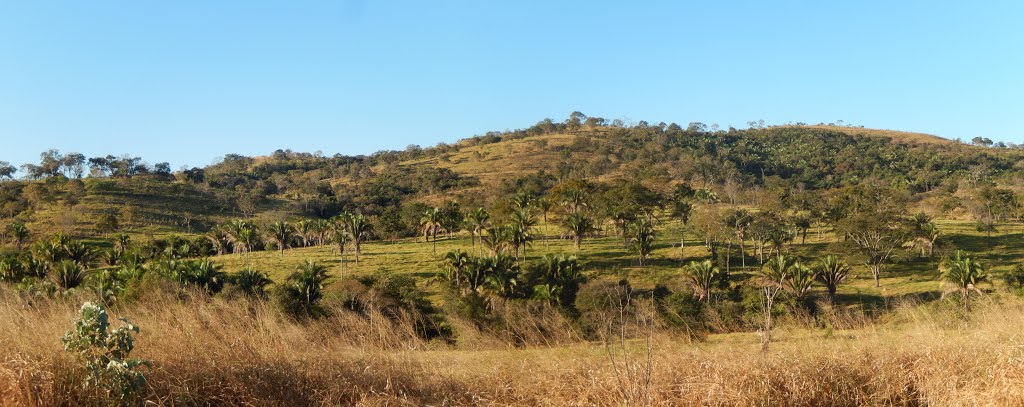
x,y
106,353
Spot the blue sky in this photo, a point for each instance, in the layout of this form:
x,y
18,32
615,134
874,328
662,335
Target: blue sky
x,y
188,81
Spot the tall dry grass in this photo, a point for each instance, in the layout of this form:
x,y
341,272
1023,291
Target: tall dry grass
x,y
217,352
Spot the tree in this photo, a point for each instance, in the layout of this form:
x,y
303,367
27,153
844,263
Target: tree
x,y
73,165
476,221
802,221
502,275
578,226
520,230
68,274
574,200
682,209
519,237
556,279
799,282
251,281
924,235
642,239
306,285
522,200
431,222
876,236
496,238
701,277
7,170
218,238
359,229
456,263
281,233
241,234
340,238
831,272
739,221
772,277
965,273
544,205
19,234
304,230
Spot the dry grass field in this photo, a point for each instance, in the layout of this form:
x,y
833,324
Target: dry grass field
x,y
215,352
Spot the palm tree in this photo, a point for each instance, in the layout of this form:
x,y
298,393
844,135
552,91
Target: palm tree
x,y
68,274
799,281
519,238
555,279
304,229
10,269
496,239
456,263
251,281
359,229
965,273
476,221
79,252
323,229
19,233
522,200
502,275
246,239
832,271
241,234
559,270
924,239
307,283
219,239
574,200
204,274
431,222
578,227
544,205
340,238
281,233
642,239
121,243
701,276
523,222
739,221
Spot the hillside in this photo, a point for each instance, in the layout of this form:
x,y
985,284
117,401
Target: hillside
x,y
287,185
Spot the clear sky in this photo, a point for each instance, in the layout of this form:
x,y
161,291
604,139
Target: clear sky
x,y
188,81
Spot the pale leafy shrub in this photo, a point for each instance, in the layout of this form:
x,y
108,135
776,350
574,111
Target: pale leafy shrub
x,y
106,352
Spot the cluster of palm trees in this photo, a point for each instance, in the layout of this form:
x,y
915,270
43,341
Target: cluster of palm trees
x,y
242,236
518,232
551,279
513,237
62,259
780,273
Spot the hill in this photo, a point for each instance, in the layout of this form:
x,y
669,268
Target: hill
x,y
289,185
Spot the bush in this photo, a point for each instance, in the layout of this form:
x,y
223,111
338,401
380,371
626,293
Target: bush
x,y
1014,279
600,303
300,296
251,282
106,353
680,310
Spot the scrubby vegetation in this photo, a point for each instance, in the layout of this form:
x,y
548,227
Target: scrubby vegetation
x,y
607,249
